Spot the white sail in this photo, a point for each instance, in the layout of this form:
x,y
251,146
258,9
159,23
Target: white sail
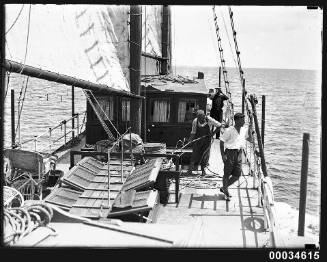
x,y
151,29
82,41
119,17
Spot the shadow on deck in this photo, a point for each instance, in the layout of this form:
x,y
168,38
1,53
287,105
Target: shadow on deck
x,y
213,221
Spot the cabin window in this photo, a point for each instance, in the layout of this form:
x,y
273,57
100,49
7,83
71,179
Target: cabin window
x,y
160,110
126,105
186,110
107,106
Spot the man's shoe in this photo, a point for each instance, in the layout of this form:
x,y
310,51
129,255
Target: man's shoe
x,y
227,198
225,192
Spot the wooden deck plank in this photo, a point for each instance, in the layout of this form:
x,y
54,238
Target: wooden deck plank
x,y
90,202
103,194
235,223
95,194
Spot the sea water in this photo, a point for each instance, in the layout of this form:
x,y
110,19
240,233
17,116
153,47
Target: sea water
x,y
293,107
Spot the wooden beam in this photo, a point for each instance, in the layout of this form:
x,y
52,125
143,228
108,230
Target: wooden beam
x,y
15,67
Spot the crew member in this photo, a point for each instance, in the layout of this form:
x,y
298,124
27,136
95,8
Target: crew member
x,y
232,142
216,111
201,133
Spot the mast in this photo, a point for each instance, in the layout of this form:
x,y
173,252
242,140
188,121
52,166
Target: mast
x,y
170,40
135,65
166,40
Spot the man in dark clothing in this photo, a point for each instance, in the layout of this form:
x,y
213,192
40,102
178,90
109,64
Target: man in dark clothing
x,y
216,111
202,127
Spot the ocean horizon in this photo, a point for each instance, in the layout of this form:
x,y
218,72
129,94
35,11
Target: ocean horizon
x,y
246,68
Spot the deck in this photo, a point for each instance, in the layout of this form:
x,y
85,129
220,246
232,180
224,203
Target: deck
x,y
215,221
201,218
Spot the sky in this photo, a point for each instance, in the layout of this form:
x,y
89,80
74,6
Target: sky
x,y
286,37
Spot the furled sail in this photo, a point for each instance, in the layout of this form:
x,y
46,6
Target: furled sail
x,y
151,29
88,42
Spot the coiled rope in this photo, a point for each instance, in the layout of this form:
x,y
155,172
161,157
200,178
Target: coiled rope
x,y
20,221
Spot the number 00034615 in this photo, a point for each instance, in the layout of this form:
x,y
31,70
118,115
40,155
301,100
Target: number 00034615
x,y
294,255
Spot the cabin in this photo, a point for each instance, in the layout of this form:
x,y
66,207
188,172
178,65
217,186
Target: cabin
x,y
171,107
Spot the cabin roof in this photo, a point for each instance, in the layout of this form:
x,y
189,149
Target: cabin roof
x,y
164,84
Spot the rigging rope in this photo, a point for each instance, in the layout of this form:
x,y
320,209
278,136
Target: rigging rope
x,y
229,111
230,45
241,72
8,80
20,108
96,100
8,49
249,114
15,20
27,37
236,49
105,127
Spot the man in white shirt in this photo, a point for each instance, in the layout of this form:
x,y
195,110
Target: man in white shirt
x,y
202,129
232,142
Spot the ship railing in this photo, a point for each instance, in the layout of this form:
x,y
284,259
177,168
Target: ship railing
x,y
266,202
58,135
264,186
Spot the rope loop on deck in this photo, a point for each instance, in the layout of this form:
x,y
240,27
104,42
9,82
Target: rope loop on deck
x,y
20,221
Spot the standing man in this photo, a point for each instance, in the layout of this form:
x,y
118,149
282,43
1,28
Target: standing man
x,y
202,127
232,142
216,111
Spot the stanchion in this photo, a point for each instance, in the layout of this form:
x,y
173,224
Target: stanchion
x,y
303,186
263,162
122,160
131,146
109,178
12,118
263,119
